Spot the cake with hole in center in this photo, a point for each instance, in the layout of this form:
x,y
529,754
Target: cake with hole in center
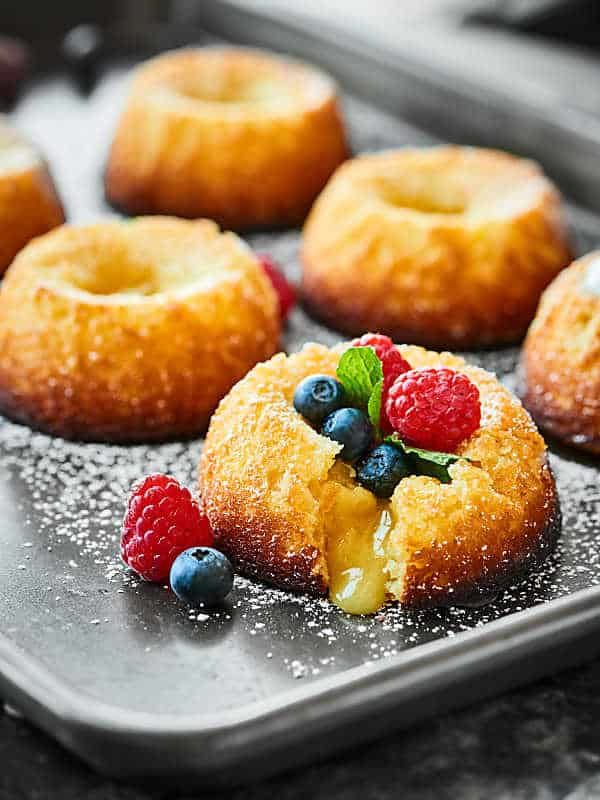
x,y
560,361
375,473
440,246
241,136
131,331
29,203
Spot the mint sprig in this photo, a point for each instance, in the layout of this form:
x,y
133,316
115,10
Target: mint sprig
x,y
428,462
359,371
361,374
374,406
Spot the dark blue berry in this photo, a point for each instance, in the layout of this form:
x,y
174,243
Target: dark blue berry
x,y
382,469
201,576
318,396
352,429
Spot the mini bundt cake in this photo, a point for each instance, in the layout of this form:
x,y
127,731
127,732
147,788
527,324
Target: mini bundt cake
x,y
29,204
560,362
240,136
131,331
289,507
441,246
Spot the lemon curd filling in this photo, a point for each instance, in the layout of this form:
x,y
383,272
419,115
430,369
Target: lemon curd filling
x,y
356,526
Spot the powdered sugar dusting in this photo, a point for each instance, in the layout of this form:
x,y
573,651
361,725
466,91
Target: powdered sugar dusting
x,y
77,493
68,500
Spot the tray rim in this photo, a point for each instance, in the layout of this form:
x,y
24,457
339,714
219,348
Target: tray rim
x,y
454,661
522,625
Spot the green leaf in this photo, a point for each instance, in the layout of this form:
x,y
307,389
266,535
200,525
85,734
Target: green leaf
x,y
359,372
428,462
374,406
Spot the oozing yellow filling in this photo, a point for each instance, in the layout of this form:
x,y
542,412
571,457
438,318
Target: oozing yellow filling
x,y
356,525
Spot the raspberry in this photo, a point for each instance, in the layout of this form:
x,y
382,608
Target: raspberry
x,y
435,409
380,343
393,366
162,521
286,294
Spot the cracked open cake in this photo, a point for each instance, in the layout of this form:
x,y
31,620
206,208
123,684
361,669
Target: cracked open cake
x,y
375,473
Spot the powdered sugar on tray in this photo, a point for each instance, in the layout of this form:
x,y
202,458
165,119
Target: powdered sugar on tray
x,y
77,492
72,498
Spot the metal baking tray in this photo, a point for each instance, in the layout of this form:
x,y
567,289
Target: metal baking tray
x,y
140,686
418,77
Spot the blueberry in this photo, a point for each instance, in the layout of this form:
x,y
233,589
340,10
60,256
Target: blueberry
x,y
382,469
317,396
201,576
352,429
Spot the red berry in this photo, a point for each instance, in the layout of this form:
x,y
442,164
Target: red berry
x,y
392,363
380,343
435,409
286,294
162,521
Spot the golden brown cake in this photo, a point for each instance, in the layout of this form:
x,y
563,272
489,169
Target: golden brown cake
x,y
560,362
286,511
442,246
240,136
131,331
29,204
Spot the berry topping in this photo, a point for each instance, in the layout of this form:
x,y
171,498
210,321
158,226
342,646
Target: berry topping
x,y
352,429
318,396
381,470
435,409
201,576
162,520
380,343
392,363
286,294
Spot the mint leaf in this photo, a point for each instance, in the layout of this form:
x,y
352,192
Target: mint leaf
x,y
374,406
360,372
428,462
432,463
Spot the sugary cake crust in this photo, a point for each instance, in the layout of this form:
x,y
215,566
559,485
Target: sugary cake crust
x,y
560,362
247,164
446,246
94,348
29,204
263,473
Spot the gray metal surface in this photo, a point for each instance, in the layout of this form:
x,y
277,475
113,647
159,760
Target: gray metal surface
x,y
466,83
131,680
